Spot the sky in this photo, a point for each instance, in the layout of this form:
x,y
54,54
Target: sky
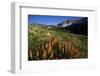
x,y
49,20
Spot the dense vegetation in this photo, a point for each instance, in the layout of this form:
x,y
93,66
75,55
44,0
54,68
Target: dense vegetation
x,y
54,43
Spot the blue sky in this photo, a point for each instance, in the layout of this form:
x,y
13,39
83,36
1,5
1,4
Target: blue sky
x,y
49,20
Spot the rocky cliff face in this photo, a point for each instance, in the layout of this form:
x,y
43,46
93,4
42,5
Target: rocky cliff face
x,y
75,26
65,23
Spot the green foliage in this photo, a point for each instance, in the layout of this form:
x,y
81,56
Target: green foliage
x,y
39,37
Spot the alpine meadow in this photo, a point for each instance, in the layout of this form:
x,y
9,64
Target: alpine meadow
x,y
57,37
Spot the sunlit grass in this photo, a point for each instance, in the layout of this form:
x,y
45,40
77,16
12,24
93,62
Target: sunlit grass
x,y
60,44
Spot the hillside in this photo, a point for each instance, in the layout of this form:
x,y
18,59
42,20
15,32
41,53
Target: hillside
x,y
54,43
79,26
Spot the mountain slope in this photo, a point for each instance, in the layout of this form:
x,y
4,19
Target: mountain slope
x,y
77,27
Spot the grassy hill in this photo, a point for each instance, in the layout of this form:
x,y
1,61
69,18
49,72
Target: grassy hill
x,y
52,43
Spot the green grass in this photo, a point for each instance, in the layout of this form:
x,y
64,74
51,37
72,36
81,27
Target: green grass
x,y
38,34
